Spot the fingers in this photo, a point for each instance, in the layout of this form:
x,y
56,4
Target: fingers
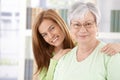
x,y
109,49
105,48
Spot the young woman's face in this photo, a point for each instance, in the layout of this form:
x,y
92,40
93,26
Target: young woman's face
x,y
84,29
51,33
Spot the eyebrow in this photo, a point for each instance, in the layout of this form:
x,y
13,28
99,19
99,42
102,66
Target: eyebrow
x,y
50,26
78,21
48,29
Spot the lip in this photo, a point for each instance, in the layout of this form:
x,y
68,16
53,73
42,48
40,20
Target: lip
x,y
55,39
82,36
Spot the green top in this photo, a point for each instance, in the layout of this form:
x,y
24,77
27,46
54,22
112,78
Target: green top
x,y
97,66
48,75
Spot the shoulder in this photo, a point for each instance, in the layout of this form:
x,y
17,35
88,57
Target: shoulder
x,y
101,44
109,60
66,50
69,53
115,58
113,67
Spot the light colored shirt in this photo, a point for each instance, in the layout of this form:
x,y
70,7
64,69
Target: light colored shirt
x,y
97,66
48,75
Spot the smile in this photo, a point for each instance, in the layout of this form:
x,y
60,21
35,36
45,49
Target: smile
x,y
55,39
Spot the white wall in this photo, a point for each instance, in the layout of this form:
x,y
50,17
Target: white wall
x,y
105,7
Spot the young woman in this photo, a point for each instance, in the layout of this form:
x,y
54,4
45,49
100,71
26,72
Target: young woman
x,y
50,36
51,40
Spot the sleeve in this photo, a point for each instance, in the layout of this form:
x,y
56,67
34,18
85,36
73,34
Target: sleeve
x,y
51,69
48,75
113,68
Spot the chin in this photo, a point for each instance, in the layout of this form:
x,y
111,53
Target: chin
x,y
56,44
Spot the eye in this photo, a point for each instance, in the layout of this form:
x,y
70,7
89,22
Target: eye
x,y
76,25
52,28
44,35
88,24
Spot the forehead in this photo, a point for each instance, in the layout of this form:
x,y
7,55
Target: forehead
x,y
87,16
46,23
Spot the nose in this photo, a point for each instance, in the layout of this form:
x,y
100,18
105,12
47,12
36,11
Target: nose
x,y
50,35
82,29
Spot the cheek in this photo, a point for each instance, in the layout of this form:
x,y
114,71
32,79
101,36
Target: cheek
x,y
62,35
58,30
73,33
94,32
46,40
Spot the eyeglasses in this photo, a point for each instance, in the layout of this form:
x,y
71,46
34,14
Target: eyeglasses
x,y
87,24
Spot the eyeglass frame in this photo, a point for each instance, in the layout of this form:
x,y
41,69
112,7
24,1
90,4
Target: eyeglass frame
x,y
86,24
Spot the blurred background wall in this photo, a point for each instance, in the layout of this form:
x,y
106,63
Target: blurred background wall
x,y
16,19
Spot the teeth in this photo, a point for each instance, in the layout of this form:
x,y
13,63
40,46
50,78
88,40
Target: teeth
x,y
54,40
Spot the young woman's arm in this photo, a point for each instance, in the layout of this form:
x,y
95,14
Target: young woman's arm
x,y
48,74
44,74
34,75
51,69
111,48
53,63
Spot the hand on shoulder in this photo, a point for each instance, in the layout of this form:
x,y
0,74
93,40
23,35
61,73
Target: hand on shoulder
x,y
111,48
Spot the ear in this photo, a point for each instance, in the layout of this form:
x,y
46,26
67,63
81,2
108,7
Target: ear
x,y
97,32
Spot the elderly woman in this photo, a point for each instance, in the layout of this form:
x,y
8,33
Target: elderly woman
x,y
86,61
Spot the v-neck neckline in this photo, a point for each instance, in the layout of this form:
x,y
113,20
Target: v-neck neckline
x,y
87,58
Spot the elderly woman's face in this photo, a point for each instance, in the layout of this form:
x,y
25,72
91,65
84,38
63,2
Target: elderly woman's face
x,y
84,29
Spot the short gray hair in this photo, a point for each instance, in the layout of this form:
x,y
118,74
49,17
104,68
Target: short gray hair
x,y
78,10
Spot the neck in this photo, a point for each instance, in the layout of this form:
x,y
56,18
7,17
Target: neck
x,y
57,49
87,47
